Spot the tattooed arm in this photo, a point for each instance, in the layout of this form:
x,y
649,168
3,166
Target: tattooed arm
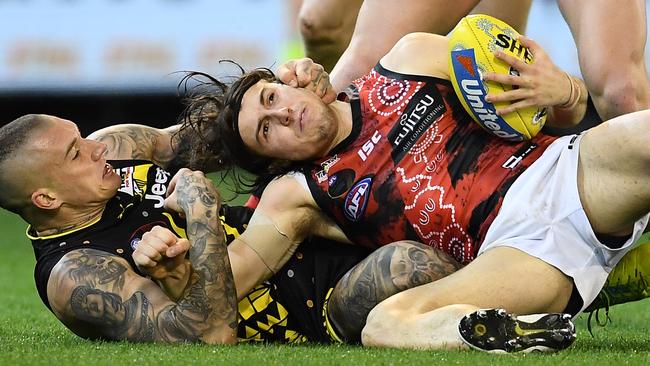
x,y
132,141
385,272
97,295
172,147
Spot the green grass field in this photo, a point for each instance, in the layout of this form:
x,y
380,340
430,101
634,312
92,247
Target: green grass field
x,y
30,335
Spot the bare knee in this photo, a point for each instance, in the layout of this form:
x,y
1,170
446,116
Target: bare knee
x,y
312,26
325,36
384,320
620,92
394,320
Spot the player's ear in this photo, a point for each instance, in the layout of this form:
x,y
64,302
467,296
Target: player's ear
x,y
45,199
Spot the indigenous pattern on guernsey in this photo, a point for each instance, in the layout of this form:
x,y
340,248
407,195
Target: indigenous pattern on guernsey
x,y
287,308
416,167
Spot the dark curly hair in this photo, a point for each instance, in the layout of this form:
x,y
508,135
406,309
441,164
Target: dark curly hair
x,y
210,119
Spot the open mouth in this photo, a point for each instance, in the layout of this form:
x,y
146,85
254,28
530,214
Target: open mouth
x,y
108,170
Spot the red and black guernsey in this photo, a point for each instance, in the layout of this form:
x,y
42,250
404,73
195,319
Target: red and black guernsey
x,y
416,166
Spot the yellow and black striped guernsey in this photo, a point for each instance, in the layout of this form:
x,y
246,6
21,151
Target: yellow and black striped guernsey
x,y
286,308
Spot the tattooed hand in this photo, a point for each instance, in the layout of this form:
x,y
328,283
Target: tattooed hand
x,y
305,73
188,188
212,286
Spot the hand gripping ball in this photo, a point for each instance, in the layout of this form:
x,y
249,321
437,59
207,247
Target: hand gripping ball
x,y
472,44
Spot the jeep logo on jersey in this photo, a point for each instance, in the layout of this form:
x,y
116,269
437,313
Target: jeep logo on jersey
x,y
424,109
357,199
159,188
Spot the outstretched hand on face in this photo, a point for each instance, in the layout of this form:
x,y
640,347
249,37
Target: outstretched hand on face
x,y
305,73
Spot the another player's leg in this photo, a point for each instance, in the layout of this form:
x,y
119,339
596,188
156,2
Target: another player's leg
x,y
629,280
326,27
381,23
429,316
613,172
513,13
387,271
611,38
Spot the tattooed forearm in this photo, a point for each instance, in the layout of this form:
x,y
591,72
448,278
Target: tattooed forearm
x,y
217,300
390,269
188,320
137,142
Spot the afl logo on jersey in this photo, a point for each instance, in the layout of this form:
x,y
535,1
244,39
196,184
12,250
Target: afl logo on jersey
x,y
357,199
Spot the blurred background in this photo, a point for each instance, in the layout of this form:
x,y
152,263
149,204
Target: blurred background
x,y
100,62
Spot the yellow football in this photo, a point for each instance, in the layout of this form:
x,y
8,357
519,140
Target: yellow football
x,y
472,44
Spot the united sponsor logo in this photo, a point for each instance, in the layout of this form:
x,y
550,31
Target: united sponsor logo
x,y
474,92
357,199
425,108
467,63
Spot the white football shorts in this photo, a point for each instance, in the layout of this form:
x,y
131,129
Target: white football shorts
x,y
542,216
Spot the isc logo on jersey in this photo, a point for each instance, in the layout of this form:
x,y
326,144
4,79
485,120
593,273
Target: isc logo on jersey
x,y
357,199
472,44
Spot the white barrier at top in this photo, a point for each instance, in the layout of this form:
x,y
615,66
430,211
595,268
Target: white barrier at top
x,y
130,45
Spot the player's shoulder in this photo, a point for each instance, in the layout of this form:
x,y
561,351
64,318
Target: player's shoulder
x,y
419,53
286,192
285,184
